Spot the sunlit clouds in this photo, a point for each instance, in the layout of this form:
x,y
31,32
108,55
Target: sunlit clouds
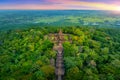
x,y
61,4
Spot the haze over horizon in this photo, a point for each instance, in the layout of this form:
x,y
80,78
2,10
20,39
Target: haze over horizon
x,y
61,4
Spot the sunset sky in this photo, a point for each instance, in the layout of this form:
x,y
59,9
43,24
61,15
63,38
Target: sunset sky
x,y
61,4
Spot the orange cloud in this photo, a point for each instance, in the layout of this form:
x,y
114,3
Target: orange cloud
x,y
95,5
101,6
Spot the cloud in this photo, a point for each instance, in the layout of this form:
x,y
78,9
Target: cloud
x,y
33,6
87,4
64,4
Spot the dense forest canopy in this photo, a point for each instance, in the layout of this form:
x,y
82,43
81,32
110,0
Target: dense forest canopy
x,y
94,54
12,19
26,52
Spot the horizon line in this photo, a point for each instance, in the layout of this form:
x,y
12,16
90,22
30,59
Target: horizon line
x,y
62,9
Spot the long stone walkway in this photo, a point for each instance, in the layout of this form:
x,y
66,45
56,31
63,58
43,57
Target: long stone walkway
x,y
59,63
59,66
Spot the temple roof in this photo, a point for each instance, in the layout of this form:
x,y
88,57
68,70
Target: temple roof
x,y
60,32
